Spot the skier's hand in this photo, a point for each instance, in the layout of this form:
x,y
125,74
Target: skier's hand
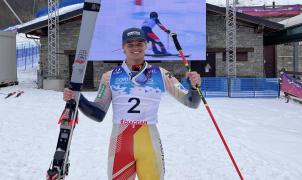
x,y
68,94
194,78
168,31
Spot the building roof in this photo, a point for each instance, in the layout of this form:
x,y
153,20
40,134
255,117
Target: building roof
x,y
287,35
294,21
271,11
256,21
291,33
39,25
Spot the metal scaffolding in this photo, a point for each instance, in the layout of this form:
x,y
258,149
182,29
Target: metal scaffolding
x,y
53,38
230,41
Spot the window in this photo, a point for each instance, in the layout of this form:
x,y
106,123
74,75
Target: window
x,y
240,56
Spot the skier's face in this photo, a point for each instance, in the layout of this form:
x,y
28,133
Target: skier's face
x,y
135,51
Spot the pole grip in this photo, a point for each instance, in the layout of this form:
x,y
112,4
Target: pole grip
x,y
175,40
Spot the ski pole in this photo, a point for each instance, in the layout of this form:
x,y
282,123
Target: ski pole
x,y
179,49
168,42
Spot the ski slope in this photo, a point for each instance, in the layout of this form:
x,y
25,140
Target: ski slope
x,y
264,135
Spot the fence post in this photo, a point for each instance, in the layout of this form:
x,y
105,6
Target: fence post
x,y
279,86
229,86
254,86
21,56
25,58
17,57
204,87
32,56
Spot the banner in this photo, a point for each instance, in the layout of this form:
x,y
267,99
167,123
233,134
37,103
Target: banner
x,y
291,85
269,11
186,18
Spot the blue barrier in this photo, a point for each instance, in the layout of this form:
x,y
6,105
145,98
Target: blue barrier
x,y
27,55
211,86
214,87
238,87
27,51
254,87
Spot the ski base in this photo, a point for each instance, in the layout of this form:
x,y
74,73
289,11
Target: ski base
x,y
60,163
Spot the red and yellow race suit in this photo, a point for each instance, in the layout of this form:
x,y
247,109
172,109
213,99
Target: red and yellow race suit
x,y
135,144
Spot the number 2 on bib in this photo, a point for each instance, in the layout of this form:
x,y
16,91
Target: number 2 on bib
x,y
137,102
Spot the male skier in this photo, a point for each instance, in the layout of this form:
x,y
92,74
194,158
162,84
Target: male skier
x,y
147,26
135,89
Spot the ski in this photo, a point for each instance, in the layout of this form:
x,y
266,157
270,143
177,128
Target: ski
x,y
19,94
10,94
166,55
59,167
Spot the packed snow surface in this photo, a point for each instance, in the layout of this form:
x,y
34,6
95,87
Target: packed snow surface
x,y
264,135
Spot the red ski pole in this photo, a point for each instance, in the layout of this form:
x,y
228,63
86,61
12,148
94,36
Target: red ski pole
x,y
177,45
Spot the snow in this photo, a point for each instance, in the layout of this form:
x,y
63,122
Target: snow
x,y
264,136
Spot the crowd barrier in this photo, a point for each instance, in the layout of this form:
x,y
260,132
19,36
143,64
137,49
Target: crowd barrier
x,y
27,55
238,87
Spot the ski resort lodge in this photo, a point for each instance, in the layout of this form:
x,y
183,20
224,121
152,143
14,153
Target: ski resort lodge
x,y
257,56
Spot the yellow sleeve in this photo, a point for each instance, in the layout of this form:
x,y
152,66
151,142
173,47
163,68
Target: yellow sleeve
x,y
188,97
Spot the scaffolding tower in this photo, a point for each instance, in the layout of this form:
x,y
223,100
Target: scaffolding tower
x,y
230,42
53,38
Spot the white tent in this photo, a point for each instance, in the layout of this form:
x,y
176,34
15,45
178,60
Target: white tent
x,y
8,70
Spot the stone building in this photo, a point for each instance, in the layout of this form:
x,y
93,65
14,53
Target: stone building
x,y
291,17
250,48
289,44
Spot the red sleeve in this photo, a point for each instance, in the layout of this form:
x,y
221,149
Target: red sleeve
x,y
161,25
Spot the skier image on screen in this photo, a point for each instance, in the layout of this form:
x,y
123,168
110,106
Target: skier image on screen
x,y
138,2
147,26
135,88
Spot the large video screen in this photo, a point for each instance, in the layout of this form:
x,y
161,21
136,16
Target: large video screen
x,y
156,18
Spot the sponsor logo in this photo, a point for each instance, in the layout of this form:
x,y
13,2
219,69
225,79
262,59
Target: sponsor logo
x,y
82,54
102,91
122,80
137,122
81,57
79,61
118,70
152,70
133,33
